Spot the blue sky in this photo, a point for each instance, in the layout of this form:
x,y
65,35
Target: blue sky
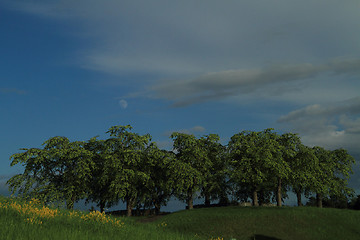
x,y
75,68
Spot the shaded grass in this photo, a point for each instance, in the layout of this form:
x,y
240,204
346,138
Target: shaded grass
x,y
266,223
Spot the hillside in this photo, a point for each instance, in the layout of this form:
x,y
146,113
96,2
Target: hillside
x,y
29,220
267,223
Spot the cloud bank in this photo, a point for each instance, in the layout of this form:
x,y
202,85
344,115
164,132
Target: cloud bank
x,y
224,84
187,37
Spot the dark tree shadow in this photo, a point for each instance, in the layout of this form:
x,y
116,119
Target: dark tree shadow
x,y
262,237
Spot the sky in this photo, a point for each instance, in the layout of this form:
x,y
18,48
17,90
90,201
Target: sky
x,y
76,68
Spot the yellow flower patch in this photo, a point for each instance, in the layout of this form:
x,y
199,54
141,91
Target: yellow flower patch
x,y
34,213
101,218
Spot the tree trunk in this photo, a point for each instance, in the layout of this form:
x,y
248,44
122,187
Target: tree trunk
x,y
70,202
278,194
102,205
255,198
157,208
190,203
129,206
70,205
298,195
319,200
190,200
223,201
207,200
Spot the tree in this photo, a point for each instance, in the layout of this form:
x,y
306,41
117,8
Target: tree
x,y
245,162
213,169
279,150
249,151
324,174
158,190
343,168
59,172
331,201
99,183
125,168
333,171
187,170
303,167
285,152
336,201
355,203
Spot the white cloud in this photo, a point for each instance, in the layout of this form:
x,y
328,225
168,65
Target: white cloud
x,y
351,125
332,126
167,145
194,130
198,129
123,104
351,106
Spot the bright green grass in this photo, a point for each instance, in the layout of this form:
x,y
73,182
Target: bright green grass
x,y
211,223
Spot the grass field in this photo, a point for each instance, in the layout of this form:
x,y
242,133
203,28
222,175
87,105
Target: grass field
x,y
30,220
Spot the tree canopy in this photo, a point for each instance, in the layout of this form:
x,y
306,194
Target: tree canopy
x,y
60,171
129,167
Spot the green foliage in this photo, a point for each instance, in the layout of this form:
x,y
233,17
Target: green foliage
x,y
129,167
200,166
303,166
257,158
187,170
60,171
99,191
343,163
331,173
214,169
159,189
125,167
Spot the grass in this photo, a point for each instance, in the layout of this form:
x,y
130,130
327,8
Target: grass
x,y
268,223
30,220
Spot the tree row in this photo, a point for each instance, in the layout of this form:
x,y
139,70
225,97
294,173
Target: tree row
x,y
261,166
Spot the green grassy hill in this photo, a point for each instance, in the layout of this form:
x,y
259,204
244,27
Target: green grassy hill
x,y
267,223
29,220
